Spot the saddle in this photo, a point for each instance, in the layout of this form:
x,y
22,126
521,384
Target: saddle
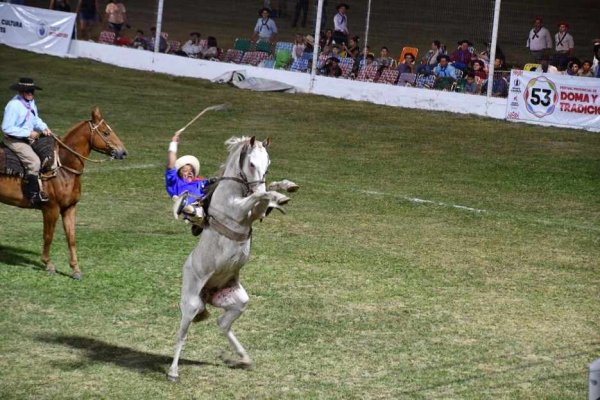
x,y
43,147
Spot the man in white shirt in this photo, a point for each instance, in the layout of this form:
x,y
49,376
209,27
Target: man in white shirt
x,y
564,44
192,47
539,41
265,29
340,23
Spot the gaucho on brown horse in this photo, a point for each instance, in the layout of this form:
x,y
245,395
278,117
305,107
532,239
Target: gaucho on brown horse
x,y
63,187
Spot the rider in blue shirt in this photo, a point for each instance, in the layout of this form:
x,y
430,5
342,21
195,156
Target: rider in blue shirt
x,y
184,184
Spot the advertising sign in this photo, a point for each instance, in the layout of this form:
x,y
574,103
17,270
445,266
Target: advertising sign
x,y
36,29
554,99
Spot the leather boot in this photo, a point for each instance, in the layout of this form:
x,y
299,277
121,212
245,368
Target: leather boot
x,y
31,190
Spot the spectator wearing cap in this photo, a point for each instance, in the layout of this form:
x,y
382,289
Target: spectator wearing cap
x,y
444,69
265,29
461,57
563,48
539,41
340,24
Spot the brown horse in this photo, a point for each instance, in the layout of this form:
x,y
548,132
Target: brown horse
x,y
64,190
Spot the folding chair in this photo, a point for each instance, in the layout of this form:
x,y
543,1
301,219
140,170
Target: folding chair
x,y
389,76
425,81
307,56
367,74
174,46
233,56
254,57
405,50
299,65
459,74
107,37
407,79
287,46
268,63
263,46
242,44
283,58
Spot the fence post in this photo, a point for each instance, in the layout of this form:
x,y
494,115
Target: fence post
x,y
490,82
316,49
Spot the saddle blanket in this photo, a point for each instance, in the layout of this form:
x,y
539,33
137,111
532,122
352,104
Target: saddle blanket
x,y
11,165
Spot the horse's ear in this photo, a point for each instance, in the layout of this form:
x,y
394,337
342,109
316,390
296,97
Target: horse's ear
x,y
252,140
96,115
267,142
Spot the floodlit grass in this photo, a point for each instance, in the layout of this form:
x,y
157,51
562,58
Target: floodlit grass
x,y
361,291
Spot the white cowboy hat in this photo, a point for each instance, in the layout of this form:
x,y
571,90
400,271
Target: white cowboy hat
x,y
193,161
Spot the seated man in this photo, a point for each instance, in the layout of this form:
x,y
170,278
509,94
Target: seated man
x,y
21,126
192,47
445,73
461,57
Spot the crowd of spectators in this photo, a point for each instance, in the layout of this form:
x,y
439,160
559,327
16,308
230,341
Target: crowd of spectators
x,y
457,67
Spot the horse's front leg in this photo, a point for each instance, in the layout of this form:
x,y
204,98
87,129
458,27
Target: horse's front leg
x,y
248,206
50,217
68,219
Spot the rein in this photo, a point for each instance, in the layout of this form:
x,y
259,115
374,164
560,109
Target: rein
x,y
93,130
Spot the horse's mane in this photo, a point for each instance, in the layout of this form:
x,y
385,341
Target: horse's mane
x,y
234,147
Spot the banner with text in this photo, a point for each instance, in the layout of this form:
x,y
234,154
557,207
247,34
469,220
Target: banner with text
x,y
554,99
36,29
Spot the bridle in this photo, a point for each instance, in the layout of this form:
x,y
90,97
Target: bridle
x,y
94,130
242,178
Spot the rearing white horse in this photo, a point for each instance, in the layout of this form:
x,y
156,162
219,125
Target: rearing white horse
x,y
211,271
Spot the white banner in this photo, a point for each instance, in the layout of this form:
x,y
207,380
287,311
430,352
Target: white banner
x,y
554,99
36,29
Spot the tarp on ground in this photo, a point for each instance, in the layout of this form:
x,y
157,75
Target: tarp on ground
x,y
240,80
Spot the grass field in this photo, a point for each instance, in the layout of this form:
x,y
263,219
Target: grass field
x,y
362,291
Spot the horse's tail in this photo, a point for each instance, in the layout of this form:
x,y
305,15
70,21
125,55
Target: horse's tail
x,y
201,316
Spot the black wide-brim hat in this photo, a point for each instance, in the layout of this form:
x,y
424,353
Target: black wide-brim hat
x,y
342,5
24,85
264,9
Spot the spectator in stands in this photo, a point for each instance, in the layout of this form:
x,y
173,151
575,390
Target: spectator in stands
x,y
563,48
298,48
547,68
429,60
211,51
539,41
116,16
351,50
162,42
586,69
332,68
471,86
499,84
487,53
192,47
444,69
265,29
596,62
327,52
309,44
60,5
462,56
139,41
340,24
327,38
301,7
477,70
88,12
407,66
572,68
384,60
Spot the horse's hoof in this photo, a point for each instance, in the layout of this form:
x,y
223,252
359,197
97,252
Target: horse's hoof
x,y
238,364
51,271
77,276
172,378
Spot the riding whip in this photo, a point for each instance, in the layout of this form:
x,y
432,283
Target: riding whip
x,y
219,107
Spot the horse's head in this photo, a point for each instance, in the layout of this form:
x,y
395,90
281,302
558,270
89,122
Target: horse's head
x,y
254,163
103,139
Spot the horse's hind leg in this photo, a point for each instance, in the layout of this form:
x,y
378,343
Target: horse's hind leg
x,y
234,301
190,305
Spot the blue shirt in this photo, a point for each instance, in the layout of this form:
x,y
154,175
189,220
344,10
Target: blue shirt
x,y
175,185
445,72
21,117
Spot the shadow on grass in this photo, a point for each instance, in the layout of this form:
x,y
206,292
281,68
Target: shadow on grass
x,y
19,257
98,351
